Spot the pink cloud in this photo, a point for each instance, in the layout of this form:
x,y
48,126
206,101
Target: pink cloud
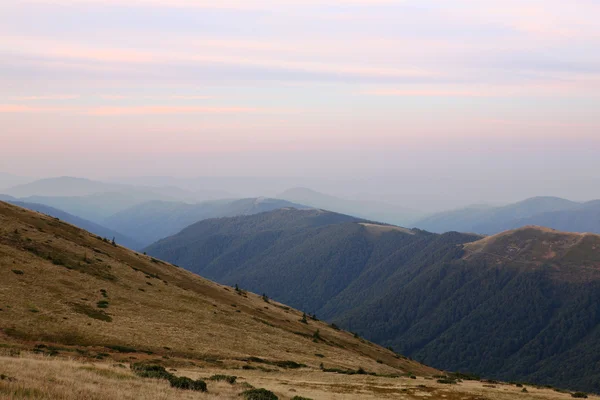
x,y
21,109
428,93
47,97
157,110
132,110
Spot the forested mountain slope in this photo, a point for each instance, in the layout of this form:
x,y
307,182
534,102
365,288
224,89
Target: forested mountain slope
x,y
303,257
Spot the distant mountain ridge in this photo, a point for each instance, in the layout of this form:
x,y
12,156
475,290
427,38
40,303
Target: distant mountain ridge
x,y
151,221
552,212
522,304
372,210
96,200
81,223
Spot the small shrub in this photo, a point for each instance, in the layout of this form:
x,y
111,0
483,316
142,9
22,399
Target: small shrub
x,y
259,394
57,261
447,381
579,395
227,378
468,377
289,364
102,304
185,383
122,349
18,272
304,320
6,378
319,355
150,371
334,326
265,298
103,293
300,398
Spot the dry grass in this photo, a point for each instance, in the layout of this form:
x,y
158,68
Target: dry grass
x,y
37,377
379,229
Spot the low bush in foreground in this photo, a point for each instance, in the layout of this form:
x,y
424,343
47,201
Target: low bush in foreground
x,y
447,381
579,395
185,383
259,394
151,371
159,372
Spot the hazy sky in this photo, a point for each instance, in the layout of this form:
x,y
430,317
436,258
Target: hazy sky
x,y
477,92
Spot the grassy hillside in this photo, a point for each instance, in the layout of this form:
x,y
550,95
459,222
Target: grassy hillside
x,y
48,378
519,305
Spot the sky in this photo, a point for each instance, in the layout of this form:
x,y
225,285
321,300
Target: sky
x,y
469,100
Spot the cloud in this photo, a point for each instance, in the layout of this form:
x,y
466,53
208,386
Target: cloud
x,y
21,109
428,93
573,84
134,110
59,51
47,97
164,110
157,97
221,4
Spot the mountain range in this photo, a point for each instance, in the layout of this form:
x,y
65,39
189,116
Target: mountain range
x,y
81,223
518,305
151,221
372,210
95,200
552,212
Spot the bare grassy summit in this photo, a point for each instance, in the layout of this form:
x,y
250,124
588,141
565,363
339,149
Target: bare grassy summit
x,y
77,311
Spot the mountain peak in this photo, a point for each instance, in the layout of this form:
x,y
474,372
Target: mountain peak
x,y
539,246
